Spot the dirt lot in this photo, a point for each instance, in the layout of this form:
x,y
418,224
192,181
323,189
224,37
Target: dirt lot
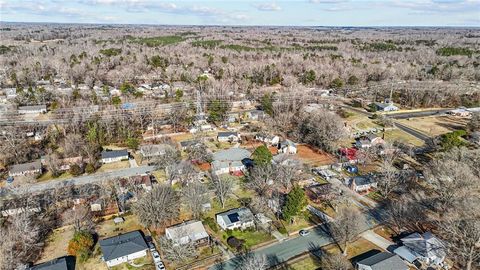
x,y
313,157
56,244
437,125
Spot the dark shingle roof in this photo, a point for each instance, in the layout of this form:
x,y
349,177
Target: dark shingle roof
x,y
122,245
18,168
55,264
114,153
363,180
227,134
384,261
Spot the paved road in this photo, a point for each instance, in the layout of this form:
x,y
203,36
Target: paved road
x,y
418,114
81,180
412,132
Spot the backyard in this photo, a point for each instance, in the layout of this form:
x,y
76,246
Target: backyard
x,y
434,126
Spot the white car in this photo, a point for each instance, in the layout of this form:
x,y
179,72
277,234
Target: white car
x,y
304,232
156,257
160,266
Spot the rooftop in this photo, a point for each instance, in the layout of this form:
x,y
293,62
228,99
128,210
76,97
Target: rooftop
x,y
232,154
122,245
114,153
384,261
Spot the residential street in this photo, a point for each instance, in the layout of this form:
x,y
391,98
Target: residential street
x,y
81,180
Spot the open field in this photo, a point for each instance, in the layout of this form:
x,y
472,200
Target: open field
x,y
360,122
434,126
48,176
108,228
313,157
396,135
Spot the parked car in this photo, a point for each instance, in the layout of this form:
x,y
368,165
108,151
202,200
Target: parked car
x,y
151,246
156,257
304,232
160,266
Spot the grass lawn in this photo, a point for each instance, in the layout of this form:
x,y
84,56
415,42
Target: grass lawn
x,y
375,195
146,261
56,244
108,228
160,175
48,176
301,221
434,126
309,262
202,253
401,136
360,122
251,238
95,262
217,207
114,166
360,246
385,232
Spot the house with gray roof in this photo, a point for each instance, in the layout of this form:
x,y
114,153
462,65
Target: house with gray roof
x,y
123,248
109,156
187,144
237,218
29,168
63,263
426,247
287,147
385,107
382,261
228,137
362,183
229,161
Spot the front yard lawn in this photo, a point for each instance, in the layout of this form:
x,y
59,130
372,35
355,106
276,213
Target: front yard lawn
x,y
375,195
309,262
108,228
48,176
56,244
302,221
114,166
251,237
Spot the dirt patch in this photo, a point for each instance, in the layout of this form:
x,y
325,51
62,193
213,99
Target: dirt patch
x,y
204,166
314,156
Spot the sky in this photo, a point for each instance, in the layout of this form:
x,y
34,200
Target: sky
x,y
230,12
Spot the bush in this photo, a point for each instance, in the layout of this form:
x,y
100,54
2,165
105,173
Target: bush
x,y
282,230
75,170
89,168
81,245
211,223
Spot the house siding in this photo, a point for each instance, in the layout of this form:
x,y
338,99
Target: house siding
x,y
127,258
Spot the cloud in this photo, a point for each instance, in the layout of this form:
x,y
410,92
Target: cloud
x,y
437,6
268,7
327,1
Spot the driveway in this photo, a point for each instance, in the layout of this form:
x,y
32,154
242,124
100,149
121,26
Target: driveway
x,y
377,239
81,180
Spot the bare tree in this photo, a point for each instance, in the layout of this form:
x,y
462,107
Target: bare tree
x,y
262,179
169,158
199,153
176,251
250,261
194,195
349,223
177,117
157,207
389,176
80,217
335,262
223,186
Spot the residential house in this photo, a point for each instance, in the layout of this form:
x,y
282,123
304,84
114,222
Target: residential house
x,y
109,156
114,92
362,183
238,218
385,107
186,232
287,147
149,151
19,210
228,137
137,181
268,139
350,154
233,117
123,248
26,168
426,247
371,140
255,114
460,112
382,261
319,193
36,109
187,144
63,263
229,161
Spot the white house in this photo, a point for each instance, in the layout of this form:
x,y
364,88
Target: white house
x,y
190,231
426,247
11,93
268,139
36,109
114,156
255,114
287,147
369,141
238,218
381,261
385,107
228,137
123,248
